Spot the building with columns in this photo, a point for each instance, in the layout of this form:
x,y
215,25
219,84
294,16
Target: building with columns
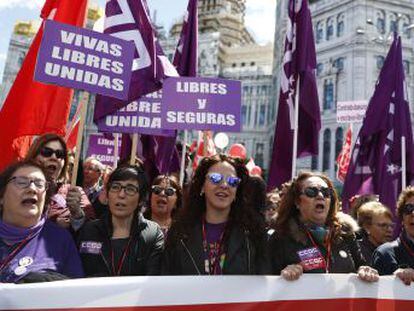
x,y
352,40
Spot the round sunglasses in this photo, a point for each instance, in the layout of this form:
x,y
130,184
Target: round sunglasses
x,y
168,191
217,178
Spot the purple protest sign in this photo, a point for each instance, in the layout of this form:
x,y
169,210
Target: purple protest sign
x,y
102,149
140,116
201,104
84,59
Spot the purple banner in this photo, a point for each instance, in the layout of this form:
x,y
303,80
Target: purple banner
x,y
201,104
84,59
102,149
141,116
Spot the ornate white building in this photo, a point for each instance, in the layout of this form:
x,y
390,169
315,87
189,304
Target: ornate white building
x,y
352,40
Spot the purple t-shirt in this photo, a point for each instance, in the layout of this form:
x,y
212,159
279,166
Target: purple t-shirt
x,y
214,234
52,249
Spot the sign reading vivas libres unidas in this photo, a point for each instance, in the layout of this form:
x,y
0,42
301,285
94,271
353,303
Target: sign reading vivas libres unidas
x,y
84,59
201,104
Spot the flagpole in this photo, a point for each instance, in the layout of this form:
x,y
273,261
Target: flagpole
x,y
403,163
84,103
183,155
295,131
116,150
133,148
205,150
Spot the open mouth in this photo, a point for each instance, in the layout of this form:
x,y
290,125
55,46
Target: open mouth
x,y
120,205
222,195
29,201
51,168
320,207
162,202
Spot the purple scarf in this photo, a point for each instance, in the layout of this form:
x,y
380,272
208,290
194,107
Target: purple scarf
x,y
14,235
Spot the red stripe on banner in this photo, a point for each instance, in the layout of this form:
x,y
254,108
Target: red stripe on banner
x,y
360,304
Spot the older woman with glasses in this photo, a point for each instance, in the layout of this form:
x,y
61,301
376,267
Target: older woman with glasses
x,y
310,236
217,232
165,200
123,242
377,225
32,249
397,257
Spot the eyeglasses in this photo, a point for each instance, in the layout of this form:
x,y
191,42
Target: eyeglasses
x,y
312,192
23,182
217,178
385,226
129,189
169,191
408,209
48,152
91,168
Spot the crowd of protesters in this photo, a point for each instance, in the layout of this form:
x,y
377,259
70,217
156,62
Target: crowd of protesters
x,y
221,222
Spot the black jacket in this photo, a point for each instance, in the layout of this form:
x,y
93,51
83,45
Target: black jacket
x,y
185,255
143,258
393,255
345,256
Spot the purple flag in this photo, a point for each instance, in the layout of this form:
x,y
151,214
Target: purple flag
x,y
299,62
129,20
376,158
185,60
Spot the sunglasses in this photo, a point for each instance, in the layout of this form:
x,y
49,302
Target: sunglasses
x,y
408,209
169,191
23,182
312,192
217,178
48,152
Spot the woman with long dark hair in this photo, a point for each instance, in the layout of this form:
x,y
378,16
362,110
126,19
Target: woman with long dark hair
x,y
311,236
217,232
164,202
69,206
123,242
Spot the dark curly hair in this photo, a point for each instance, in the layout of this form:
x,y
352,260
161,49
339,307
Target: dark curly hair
x,y
40,142
288,208
241,214
8,172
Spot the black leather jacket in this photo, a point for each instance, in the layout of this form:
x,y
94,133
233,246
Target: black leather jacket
x,y
186,255
143,258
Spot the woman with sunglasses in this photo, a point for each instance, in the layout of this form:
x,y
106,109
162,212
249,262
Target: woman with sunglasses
x,y
310,236
216,232
69,205
32,249
123,242
165,200
397,257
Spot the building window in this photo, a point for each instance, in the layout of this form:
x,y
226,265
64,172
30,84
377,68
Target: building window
x,y
406,64
339,141
319,32
314,163
380,62
329,29
243,114
258,159
262,113
319,69
326,149
340,26
328,95
339,64
393,24
381,22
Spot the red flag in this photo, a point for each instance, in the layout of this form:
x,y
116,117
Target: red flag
x,y
33,108
344,156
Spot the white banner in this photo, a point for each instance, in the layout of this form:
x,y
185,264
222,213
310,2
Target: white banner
x,y
351,111
315,292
